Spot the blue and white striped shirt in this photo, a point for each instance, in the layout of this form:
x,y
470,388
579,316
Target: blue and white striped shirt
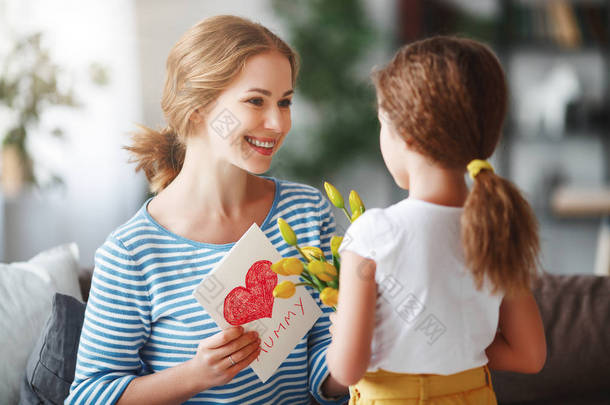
x,y
141,315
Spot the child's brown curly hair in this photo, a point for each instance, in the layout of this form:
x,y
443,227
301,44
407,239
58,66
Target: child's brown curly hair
x,y
448,96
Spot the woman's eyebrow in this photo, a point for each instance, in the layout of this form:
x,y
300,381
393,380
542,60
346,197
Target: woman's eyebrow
x,y
268,93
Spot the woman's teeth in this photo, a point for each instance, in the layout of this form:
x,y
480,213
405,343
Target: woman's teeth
x,y
260,143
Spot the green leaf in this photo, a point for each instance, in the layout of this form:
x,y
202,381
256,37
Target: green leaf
x,y
318,283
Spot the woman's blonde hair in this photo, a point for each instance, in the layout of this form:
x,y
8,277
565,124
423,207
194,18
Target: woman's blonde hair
x,y
199,67
449,96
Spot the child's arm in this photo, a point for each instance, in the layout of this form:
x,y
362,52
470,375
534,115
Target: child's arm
x,y
519,344
350,351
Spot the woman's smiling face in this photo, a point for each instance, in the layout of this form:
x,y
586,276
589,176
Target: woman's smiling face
x,y
251,117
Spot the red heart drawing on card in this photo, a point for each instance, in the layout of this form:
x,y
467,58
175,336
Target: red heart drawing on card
x,y
255,301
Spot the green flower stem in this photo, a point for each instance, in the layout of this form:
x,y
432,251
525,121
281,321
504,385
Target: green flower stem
x,y
309,284
305,276
302,254
319,283
347,214
337,264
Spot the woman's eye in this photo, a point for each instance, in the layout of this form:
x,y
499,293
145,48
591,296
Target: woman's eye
x,y
285,103
257,101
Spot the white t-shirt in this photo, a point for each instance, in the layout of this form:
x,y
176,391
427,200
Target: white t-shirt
x,y
430,318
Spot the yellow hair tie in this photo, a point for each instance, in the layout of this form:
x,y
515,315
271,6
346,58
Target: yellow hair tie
x,y
476,165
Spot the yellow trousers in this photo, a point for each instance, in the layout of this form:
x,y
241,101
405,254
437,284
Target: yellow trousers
x,y
470,387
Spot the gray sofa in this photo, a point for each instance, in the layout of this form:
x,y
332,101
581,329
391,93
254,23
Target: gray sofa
x,y
575,310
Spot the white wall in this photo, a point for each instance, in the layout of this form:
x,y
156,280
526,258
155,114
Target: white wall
x,y
160,23
132,38
101,190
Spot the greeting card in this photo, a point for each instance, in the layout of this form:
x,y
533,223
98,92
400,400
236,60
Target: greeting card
x,y
239,291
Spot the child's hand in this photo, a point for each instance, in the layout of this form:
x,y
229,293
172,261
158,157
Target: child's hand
x,y
221,356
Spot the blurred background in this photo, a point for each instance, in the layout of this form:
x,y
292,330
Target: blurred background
x,y
76,78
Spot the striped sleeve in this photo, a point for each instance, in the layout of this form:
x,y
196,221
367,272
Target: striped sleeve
x,y
116,326
319,336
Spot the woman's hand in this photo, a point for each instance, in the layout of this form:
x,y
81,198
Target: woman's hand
x,y
210,367
220,357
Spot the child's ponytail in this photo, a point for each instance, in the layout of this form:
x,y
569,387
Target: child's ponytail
x,y
500,235
160,154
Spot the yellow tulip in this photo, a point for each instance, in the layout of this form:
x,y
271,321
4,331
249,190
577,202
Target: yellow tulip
x,y
278,267
330,271
356,214
334,195
316,267
355,203
335,242
293,266
287,233
285,289
330,296
323,270
313,253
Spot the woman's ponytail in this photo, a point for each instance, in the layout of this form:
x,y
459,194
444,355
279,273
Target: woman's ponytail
x,y
500,235
160,154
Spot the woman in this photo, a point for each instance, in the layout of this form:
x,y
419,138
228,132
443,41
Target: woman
x,y
145,339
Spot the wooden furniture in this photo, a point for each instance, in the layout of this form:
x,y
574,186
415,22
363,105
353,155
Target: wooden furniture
x,y
587,202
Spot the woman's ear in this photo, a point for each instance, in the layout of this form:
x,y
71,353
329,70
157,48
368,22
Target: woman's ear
x,y
196,117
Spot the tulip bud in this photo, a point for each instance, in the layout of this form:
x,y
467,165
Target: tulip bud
x,y
287,233
313,253
285,289
335,242
334,195
356,214
323,270
355,203
329,296
293,266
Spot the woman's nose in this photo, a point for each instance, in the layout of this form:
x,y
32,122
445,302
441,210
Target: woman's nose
x,y
275,120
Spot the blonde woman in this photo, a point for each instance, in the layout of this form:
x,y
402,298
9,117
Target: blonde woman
x,y
145,339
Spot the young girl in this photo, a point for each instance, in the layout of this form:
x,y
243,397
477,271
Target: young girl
x,y
436,288
145,339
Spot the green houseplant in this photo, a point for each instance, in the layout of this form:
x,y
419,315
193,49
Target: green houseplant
x,y
30,83
333,39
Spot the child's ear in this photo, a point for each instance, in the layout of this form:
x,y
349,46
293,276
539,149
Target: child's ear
x,y
409,141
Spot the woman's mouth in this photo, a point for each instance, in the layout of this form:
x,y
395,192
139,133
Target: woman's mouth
x,y
264,146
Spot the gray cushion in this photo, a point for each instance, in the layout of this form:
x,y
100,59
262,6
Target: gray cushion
x,y
50,368
575,310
